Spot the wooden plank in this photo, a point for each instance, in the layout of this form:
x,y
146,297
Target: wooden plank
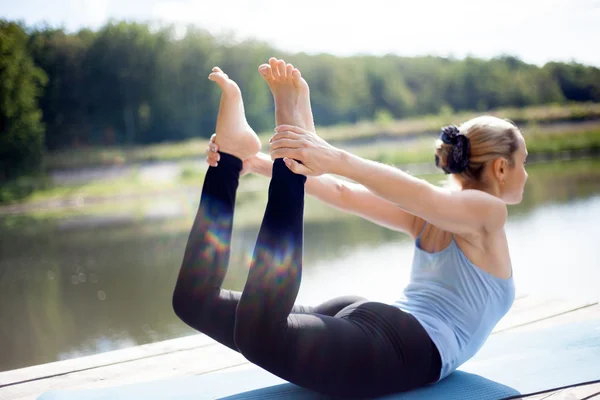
x,y
199,354
525,310
590,312
201,360
528,310
104,359
582,314
577,393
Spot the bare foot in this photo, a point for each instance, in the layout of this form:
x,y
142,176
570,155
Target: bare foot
x,y
290,92
233,134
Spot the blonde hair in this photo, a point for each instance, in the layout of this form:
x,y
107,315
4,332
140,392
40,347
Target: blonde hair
x,y
489,138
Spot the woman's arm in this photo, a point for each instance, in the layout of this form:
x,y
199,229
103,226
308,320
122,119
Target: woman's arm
x,y
347,196
463,212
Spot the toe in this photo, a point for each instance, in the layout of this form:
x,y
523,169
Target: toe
x,y
296,77
226,84
220,71
274,68
218,77
265,71
281,68
289,69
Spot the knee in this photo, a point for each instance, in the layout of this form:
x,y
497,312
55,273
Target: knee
x,y
252,348
189,306
245,340
180,303
252,339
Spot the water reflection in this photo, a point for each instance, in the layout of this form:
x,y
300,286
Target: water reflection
x,y
71,289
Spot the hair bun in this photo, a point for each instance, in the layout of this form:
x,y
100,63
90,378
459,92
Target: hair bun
x,y
458,153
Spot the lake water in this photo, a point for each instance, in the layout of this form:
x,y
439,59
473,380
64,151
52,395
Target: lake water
x,y
87,284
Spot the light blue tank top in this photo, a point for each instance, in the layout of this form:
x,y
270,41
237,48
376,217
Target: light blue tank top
x,y
457,303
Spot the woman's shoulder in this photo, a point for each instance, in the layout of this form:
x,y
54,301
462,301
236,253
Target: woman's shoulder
x,y
491,208
489,251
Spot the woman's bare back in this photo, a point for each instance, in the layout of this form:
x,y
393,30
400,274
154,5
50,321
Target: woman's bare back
x,y
488,251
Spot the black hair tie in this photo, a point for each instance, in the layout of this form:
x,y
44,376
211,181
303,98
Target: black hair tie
x,y
458,156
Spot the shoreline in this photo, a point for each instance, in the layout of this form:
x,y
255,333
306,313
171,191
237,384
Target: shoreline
x,y
343,135
246,186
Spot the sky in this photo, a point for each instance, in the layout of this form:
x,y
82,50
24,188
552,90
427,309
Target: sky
x,y
536,31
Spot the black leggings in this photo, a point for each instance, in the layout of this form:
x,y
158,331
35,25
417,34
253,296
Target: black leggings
x,y
346,347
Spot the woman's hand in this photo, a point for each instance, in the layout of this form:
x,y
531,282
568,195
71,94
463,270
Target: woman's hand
x,y
304,152
213,157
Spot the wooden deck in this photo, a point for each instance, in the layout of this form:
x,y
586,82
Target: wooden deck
x,y
199,354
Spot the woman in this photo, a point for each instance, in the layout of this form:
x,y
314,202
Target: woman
x,y
461,282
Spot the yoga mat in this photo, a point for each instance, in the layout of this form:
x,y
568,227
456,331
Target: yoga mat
x,y
510,364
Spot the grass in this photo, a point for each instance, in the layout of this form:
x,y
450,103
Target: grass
x,y
249,207
77,158
528,116
570,177
539,142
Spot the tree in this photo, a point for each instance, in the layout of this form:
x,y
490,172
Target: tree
x,y
134,83
577,82
21,82
64,102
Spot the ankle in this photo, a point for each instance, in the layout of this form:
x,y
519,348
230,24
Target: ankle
x,y
229,160
283,173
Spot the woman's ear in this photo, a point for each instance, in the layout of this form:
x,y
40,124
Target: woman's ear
x,y
499,169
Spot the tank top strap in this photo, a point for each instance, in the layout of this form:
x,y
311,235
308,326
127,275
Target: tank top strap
x,y
422,229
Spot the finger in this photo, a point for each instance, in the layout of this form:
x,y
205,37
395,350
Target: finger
x,y
296,167
285,135
216,157
286,143
212,148
291,128
212,138
212,161
290,153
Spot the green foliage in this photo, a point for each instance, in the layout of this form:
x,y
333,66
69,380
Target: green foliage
x,y
131,84
21,130
529,119
18,189
384,118
577,82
